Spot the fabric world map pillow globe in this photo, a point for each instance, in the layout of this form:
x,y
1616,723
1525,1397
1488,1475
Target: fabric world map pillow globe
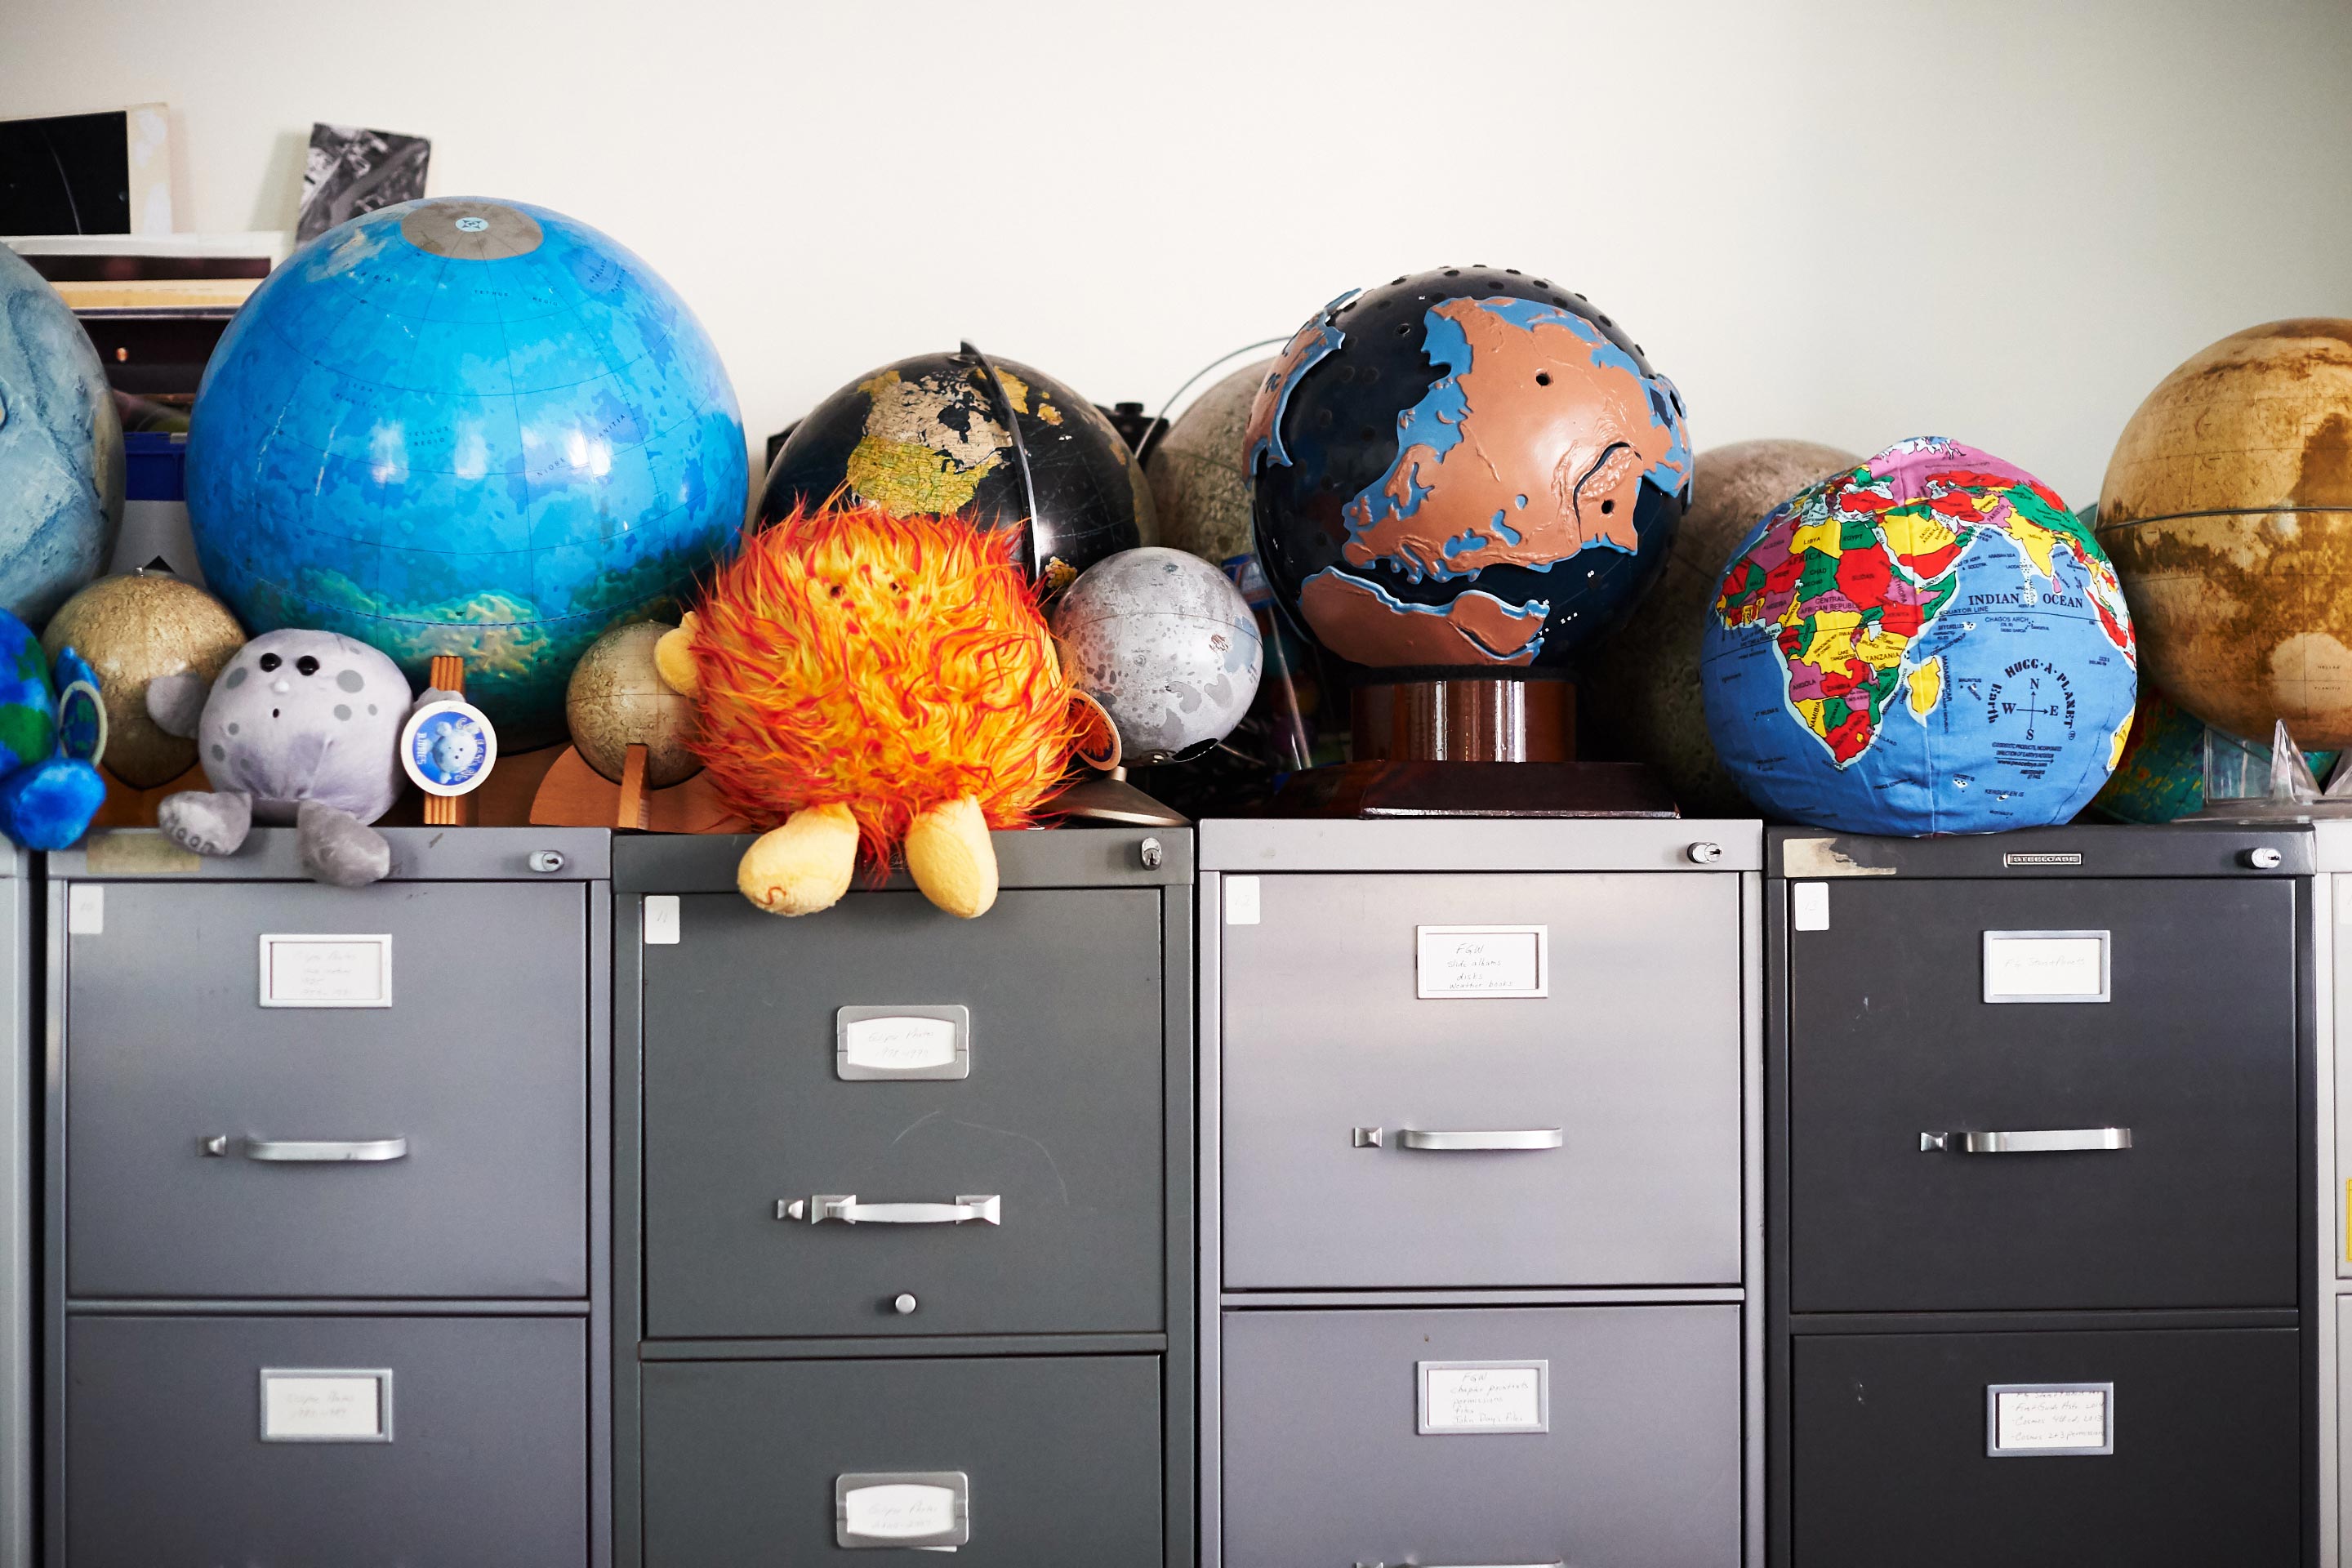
x,y
1928,643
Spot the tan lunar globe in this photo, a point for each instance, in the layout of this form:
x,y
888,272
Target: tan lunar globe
x,y
134,628
616,700
1643,685
2228,513
1200,471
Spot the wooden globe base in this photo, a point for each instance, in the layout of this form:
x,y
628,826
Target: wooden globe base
x,y
574,794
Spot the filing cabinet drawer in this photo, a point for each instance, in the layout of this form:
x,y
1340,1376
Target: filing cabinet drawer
x,y
1361,1437
1891,1435
1014,1461
2191,1058
271,1441
1378,1136
221,1147
997,1161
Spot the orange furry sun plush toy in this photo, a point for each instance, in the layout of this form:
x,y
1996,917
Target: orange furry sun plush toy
x,y
868,679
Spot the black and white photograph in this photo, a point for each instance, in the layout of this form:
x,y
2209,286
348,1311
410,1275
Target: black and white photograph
x,y
352,170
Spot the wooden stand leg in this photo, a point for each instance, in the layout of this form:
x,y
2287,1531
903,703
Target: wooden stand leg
x,y
449,674
632,812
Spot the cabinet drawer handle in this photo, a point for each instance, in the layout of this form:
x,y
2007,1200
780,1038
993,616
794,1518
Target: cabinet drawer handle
x,y
1547,1563
309,1152
2059,1141
1501,1137
844,1207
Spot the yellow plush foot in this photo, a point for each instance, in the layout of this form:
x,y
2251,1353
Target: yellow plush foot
x,y
805,865
674,658
950,857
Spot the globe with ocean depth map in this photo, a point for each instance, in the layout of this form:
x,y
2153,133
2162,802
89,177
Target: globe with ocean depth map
x,y
471,427
1927,643
1468,471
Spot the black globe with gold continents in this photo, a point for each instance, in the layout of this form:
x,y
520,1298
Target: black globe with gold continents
x,y
935,434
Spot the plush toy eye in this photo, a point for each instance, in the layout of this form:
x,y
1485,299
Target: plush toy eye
x,y
306,665
270,661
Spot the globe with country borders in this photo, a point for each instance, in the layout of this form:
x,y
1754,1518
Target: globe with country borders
x,y
1927,643
465,427
1463,472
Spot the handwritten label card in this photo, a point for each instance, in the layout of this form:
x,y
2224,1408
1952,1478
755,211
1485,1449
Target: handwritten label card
x,y
902,1041
2049,1418
2045,966
1483,961
1484,1397
308,1406
309,971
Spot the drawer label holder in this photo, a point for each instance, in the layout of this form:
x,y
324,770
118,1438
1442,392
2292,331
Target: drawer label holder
x,y
305,970
333,1404
2050,1420
928,1510
1484,1398
902,1042
1482,960
2045,966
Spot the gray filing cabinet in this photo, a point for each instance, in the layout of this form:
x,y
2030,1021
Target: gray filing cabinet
x,y
2331,1250
329,1204
1479,1178
18,1303
909,1262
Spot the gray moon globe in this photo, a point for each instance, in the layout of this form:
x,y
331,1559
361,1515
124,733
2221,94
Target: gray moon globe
x,y
1641,684
1168,645
61,466
617,699
1199,469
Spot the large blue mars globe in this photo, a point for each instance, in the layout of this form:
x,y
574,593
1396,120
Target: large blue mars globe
x,y
1926,643
465,427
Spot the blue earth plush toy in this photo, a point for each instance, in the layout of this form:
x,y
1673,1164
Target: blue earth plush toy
x,y
50,740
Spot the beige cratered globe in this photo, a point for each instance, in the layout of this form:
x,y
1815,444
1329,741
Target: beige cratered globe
x,y
1200,474
2227,512
616,700
1642,683
134,628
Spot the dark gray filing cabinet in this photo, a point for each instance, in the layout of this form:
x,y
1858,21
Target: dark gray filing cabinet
x,y
19,1305
329,1205
1480,1224
2041,1185
909,1261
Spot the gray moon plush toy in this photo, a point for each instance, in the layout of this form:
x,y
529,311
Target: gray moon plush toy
x,y
300,728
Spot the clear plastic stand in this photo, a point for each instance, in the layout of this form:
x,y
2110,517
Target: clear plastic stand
x,y
2292,792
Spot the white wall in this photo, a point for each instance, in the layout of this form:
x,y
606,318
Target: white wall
x,y
1827,218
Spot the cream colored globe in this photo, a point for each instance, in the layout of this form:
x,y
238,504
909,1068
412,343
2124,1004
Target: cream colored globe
x,y
616,700
1199,471
2228,513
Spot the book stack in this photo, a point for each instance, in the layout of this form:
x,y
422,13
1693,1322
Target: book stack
x,y
155,304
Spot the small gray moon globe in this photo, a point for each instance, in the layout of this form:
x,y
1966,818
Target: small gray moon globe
x,y
1199,469
1642,685
61,466
1168,645
616,700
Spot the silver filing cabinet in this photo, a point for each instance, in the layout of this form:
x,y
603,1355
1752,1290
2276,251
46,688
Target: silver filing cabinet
x,y
16,1296
1479,1192
329,1204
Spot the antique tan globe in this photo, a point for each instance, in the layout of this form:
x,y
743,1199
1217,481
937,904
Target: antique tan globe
x,y
616,700
2228,513
134,628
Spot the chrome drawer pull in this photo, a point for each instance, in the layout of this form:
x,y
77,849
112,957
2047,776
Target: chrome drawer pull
x,y
2061,1141
844,1207
309,1152
1507,1138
